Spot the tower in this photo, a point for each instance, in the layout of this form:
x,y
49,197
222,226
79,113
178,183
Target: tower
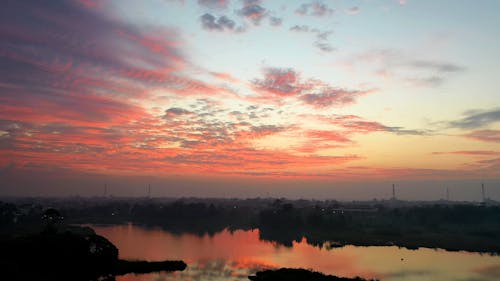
x,y
482,192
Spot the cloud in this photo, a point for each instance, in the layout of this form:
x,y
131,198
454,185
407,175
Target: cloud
x,y
280,82
435,72
468,152
225,77
402,131
80,110
391,63
328,136
252,11
78,101
345,127
430,81
275,21
324,46
477,119
176,111
300,28
354,10
286,82
485,135
210,22
490,271
108,58
330,96
375,126
214,3
264,130
317,9
355,124
436,65
96,76
407,273
321,36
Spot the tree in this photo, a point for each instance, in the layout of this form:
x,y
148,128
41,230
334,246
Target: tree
x,y
52,218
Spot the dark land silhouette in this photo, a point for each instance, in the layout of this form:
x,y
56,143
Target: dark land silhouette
x,y
52,250
40,238
450,226
298,274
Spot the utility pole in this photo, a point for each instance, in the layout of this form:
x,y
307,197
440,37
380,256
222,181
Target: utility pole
x,y
149,191
447,194
482,191
393,192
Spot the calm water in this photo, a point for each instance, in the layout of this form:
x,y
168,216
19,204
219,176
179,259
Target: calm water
x,y
233,256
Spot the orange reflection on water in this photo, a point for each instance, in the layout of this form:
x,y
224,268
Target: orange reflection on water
x,y
233,256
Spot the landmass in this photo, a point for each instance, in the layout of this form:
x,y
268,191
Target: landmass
x,y
298,274
51,250
454,226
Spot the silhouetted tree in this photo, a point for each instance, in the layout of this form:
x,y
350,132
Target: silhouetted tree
x,y
52,218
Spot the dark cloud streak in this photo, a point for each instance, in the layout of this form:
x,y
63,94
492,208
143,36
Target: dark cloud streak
x,y
253,11
210,22
477,119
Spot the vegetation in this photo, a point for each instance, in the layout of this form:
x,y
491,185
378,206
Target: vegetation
x,y
125,266
292,274
48,249
456,226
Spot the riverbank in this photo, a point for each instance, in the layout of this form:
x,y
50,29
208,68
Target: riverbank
x,y
69,253
453,227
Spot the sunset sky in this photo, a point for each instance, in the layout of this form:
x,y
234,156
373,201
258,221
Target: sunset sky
x,y
250,98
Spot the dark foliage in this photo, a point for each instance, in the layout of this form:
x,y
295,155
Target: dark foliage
x,y
297,274
324,224
48,249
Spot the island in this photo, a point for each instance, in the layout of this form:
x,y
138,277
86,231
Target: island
x,y
298,274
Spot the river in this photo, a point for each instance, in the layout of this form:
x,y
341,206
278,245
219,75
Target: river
x,y
234,255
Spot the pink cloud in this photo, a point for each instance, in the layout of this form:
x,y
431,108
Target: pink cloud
x,y
484,135
469,152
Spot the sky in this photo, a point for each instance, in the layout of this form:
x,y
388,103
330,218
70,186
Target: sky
x,y
244,98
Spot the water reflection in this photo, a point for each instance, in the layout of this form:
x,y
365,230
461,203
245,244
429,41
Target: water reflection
x,y
235,255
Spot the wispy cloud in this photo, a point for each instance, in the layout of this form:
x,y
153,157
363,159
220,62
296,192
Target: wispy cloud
x,y
435,65
392,63
324,46
485,135
285,82
469,152
214,3
321,41
317,9
354,10
176,111
330,96
300,28
280,81
275,21
324,135
356,124
211,22
477,119
253,11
